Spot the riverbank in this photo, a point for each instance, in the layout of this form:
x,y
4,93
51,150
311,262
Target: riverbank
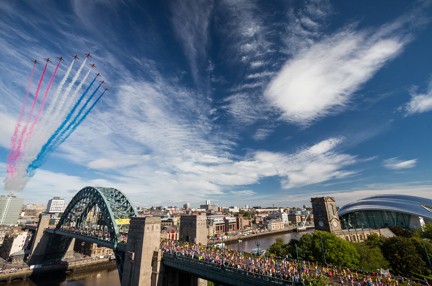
x,y
60,272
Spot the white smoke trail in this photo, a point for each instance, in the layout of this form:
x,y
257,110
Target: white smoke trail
x,y
53,120
37,139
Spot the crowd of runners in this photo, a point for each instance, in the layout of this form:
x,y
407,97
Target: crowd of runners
x,y
281,268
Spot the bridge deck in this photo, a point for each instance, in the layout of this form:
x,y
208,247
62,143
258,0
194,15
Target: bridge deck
x,y
213,272
103,243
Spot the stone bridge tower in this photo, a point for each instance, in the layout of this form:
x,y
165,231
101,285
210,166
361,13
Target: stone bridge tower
x,y
193,229
143,240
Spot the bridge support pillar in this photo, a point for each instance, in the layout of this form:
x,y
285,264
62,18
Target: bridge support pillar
x,y
143,240
40,240
157,269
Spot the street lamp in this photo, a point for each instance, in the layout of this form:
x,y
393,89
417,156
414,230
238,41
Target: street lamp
x,y
323,251
258,243
298,263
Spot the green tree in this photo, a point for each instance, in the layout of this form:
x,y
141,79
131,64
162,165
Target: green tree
x,y
371,258
427,230
418,243
339,251
402,255
399,231
374,240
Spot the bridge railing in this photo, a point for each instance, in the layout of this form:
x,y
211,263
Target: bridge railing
x,y
241,272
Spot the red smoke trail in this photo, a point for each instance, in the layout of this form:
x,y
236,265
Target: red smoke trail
x,y
11,170
18,126
29,134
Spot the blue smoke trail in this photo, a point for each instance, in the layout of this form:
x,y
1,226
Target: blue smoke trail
x,y
47,146
79,121
71,125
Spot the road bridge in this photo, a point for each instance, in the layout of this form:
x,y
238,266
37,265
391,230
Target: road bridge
x,y
216,273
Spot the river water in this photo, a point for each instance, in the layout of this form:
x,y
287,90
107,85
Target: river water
x,y
111,278
249,244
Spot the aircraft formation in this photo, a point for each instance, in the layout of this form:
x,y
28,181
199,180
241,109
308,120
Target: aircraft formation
x,y
44,125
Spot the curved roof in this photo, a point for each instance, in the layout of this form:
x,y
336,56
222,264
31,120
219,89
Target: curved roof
x,y
398,203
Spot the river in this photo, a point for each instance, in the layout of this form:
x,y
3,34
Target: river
x,y
265,242
111,278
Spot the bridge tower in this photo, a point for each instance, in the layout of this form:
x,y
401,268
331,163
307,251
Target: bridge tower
x,y
193,229
143,240
40,239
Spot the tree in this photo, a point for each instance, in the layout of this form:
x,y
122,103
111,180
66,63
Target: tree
x,y
339,252
371,257
399,231
402,255
427,230
374,240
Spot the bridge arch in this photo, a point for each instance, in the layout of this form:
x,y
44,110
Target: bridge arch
x,y
113,205
114,210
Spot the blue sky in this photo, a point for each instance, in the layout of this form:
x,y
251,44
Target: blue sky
x,y
240,102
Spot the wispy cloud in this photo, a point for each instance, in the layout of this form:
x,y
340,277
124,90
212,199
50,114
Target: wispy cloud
x,y
191,21
397,164
323,78
420,102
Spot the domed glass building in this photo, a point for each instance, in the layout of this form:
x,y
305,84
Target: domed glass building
x,y
382,211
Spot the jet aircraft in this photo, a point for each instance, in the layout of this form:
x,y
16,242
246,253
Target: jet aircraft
x,y
75,57
98,74
35,62
102,82
93,65
88,55
48,60
61,58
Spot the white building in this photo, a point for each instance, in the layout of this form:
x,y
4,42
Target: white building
x,y
55,205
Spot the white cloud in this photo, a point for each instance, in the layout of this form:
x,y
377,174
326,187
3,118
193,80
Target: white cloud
x,y
262,133
419,103
323,78
243,193
396,164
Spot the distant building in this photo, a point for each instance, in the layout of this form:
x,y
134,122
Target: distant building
x,y
10,209
209,207
186,206
55,205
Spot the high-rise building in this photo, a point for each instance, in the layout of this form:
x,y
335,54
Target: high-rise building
x,y
186,206
55,205
10,209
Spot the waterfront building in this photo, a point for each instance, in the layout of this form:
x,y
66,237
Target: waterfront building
x,y
91,249
10,209
409,212
15,245
280,216
274,224
4,229
55,206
